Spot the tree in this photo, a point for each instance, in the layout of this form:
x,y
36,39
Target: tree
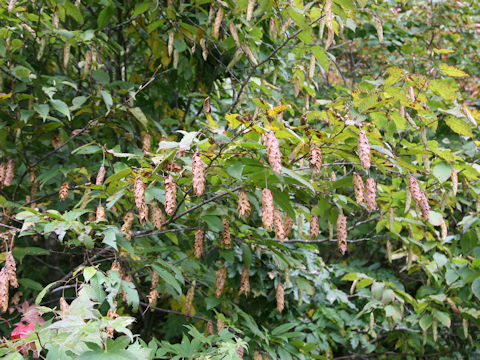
x,y
244,179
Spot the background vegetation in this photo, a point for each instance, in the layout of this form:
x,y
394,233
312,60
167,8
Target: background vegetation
x,y
110,265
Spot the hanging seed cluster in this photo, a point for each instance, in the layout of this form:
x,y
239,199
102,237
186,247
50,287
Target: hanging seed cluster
x,y
127,224
454,177
315,158
220,282
198,246
370,194
157,216
170,195
314,226
198,174
288,221
100,175
146,143
139,192
189,300
8,277
226,238
419,197
243,207
7,172
342,234
363,148
100,213
278,225
358,188
244,282
280,297
273,151
153,296
267,209
64,189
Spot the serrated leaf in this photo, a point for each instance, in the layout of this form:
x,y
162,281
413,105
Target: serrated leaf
x,y
452,71
459,126
139,115
104,17
61,107
476,287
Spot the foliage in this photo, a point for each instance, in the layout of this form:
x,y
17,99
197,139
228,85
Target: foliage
x,y
147,92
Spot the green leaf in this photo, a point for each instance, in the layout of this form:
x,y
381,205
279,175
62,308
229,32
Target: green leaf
x,y
459,126
74,12
168,278
289,173
442,172
141,8
452,71
42,110
104,17
435,218
42,293
476,287
321,57
61,107
107,98
139,115
443,317
236,170
426,321
89,272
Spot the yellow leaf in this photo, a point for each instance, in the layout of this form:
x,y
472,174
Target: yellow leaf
x,y
277,110
443,51
5,96
211,122
459,126
452,70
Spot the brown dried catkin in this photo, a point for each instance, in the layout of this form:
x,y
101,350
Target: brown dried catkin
x,y
100,175
146,143
363,148
198,174
278,225
243,207
370,194
267,209
244,282
100,213
3,171
226,239
419,197
358,188
454,177
315,158
342,233
139,192
170,195
314,226
273,151
288,225
11,270
127,224
189,300
63,193
218,22
3,290
9,173
220,281
157,216
280,297
198,246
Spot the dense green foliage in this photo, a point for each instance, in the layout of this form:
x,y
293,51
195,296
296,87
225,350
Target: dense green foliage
x,y
91,83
